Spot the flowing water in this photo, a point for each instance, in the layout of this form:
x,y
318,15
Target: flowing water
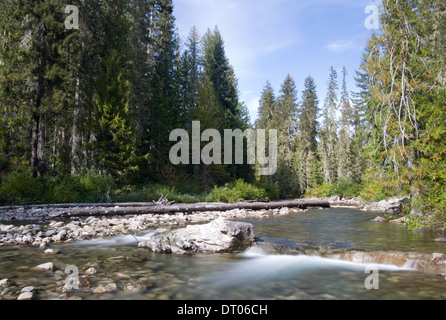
x,y
296,273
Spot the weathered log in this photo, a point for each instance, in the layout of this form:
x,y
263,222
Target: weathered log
x,y
188,208
77,205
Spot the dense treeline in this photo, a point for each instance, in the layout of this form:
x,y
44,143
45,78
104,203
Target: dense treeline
x,y
405,104
386,140
92,108
321,150
102,99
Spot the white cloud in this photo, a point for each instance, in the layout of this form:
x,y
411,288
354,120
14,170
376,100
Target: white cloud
x,y
341,46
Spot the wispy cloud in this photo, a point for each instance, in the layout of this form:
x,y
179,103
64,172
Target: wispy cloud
x,y
340,46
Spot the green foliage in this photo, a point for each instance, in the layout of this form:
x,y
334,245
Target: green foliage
x,y
346,188
64,189
20,188
94,181
414,222
373,191
91,186
323,190
238,191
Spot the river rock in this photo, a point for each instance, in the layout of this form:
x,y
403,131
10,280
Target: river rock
x,y
379,219
391,206
219,236
158,244
49,233
28,289
216,237
101,290
5,283
91,270
25,296
49,266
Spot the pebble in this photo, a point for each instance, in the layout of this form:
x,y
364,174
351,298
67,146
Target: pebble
x,y
5,283
132,287
91,270
28,289
25,296
48,266
100,290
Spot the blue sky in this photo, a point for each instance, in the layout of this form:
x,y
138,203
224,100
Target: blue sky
x,y
267,39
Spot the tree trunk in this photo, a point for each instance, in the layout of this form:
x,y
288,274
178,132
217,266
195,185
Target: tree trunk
x,y
37,162
188,208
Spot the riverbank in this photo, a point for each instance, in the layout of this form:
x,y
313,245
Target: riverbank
x,y
43,225
41,230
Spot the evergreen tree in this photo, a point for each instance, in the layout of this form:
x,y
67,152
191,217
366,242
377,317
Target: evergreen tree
x,y
191,73
267,116
114,133
165,112
328,134
267,108
286,121
306,159
408,86
344,151
221,74
361,123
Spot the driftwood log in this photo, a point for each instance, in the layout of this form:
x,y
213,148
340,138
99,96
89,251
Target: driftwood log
x,y
122,210
77,205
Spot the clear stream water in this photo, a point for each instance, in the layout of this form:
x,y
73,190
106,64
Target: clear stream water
x,y
253,274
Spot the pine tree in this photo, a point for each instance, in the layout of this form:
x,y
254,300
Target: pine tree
x,y
191,73
286,117
38,36
306,158
14,109
114,133
221,74
165,111
328,134
344,151
361,123
267,108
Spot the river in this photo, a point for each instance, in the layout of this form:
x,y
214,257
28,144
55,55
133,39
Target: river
x,y
295,272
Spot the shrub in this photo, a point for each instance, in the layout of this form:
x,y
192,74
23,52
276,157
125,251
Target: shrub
x,y
236,192
20,188
347,188
93,181
64,189
323,191
373,191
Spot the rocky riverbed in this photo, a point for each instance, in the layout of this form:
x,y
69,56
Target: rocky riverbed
x,y
41,231
134,271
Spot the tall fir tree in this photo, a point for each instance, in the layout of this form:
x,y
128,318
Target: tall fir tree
x,y
306,159
328,134
344,147
286,122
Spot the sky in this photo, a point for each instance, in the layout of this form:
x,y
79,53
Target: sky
x,y
265,40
